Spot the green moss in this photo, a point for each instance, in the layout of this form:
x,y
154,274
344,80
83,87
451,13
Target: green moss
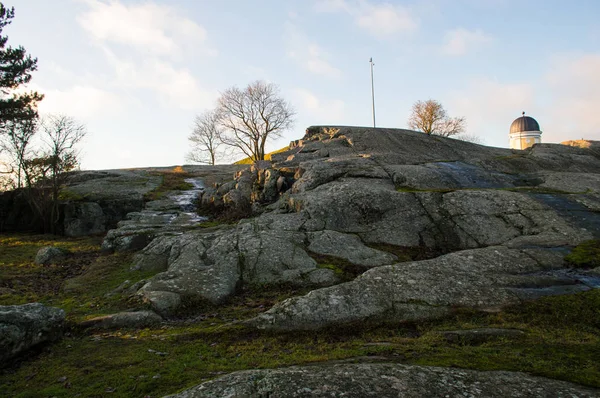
x,y
586,255
210,224
66,195
346,270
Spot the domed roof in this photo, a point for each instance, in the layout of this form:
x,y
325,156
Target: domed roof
x,y
524,123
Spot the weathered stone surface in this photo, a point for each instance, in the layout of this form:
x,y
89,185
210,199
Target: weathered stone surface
x,y
572,182
25,326
165,303
196,272
50,255
84,218
112,184
140,319
155,256
383,380
447,176
210,266
348,247
485,279
275,256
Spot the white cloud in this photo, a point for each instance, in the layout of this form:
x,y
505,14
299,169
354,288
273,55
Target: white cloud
x,y
159,36
147,27
385,19
309,54
319,110
575,83
460,41
378,19
174,86
81,101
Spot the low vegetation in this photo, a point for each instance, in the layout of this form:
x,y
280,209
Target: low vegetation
x,y
561,340
586,255
267,156
172,180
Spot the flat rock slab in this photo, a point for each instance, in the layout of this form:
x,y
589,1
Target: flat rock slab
x,y
383,380
24,326
485,279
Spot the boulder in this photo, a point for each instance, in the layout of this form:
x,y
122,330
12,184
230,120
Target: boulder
x,y
50,255
25,326
165,303
382,380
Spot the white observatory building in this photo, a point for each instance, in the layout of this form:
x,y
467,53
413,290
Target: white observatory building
x,y
524,132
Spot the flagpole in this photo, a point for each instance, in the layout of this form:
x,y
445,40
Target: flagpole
x,y
372,90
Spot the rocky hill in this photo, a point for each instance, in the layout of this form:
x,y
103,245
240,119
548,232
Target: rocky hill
x,y
375,226
497,222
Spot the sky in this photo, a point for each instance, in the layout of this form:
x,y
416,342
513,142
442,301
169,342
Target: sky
x,y
137,72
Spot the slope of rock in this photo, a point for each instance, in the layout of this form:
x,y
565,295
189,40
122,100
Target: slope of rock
x,y
367,196
382,380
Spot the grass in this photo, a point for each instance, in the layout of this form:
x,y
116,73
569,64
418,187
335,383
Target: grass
x,y
562,333
586,255
172,180
267,156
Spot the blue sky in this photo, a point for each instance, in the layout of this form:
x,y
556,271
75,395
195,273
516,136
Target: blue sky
x,y
137,72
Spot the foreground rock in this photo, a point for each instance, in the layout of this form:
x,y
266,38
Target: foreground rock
x,y
25,326
50,255
484,279
382,380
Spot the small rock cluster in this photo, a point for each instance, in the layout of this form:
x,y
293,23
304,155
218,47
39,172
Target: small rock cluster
x,y
257,185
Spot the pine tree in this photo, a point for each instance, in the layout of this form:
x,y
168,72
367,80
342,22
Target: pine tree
x,y
15,70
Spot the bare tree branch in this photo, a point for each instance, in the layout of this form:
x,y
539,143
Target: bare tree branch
x,y
250,117
430,117
207,146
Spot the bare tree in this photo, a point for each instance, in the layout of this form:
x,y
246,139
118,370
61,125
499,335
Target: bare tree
x,y
251,116
46,172
16,145
206,139
430,117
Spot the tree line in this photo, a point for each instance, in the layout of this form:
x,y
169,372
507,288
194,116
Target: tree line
x,y
37,152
